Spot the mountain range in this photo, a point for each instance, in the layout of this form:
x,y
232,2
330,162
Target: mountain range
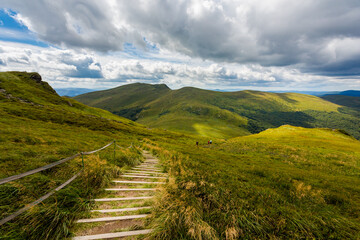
x,y
217,114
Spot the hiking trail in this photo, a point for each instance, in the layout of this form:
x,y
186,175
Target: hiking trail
x,y
121,212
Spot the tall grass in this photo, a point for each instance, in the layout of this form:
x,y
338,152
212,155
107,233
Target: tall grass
x,y
286,183
37,127
177,215
53,218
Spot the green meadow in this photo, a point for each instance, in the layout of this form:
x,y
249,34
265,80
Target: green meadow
x,y
37,128
222,114
285,182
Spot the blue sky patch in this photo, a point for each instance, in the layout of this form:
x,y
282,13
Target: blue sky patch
x,y
13,31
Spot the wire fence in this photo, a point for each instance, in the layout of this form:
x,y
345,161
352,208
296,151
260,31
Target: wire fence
x,y
51,165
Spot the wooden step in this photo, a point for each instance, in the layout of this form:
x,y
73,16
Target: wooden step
x,y
148,164
132,173
136,171
120,209
110,219
113,235
138,182
121,199
138,176
152,168
146,169
130,189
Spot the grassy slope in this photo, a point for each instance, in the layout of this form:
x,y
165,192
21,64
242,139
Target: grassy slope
x,y
349,101
38,127
222,115
115,99
284,183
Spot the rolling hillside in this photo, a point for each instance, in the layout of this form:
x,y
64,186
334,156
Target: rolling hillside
x,y
349,101
221,114
283,183
38,127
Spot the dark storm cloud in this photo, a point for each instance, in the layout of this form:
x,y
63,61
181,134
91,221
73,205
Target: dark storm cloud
x,y
320,37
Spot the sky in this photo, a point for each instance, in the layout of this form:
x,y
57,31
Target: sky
x,y
274,45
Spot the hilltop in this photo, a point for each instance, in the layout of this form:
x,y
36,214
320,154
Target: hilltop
x,y
221,114
38,127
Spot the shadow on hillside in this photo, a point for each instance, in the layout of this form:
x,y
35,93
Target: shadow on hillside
x,y
262,120
284,97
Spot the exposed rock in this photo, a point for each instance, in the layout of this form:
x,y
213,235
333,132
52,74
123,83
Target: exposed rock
x,y
36,77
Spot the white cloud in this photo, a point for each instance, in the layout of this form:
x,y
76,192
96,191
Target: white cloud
x,y
80,68
269,33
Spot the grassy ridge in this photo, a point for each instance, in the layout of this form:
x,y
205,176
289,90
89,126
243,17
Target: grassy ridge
x,y
221,114
349,101
114,99
37,128
284,183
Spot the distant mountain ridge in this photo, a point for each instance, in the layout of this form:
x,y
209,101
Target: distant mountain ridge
x,y
221,114
349,98
352,93
72,92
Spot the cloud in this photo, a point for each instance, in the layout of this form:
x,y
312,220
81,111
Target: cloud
x,y
84,66
73,23
272,33
78,68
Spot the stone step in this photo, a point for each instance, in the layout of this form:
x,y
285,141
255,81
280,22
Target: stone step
x,y
121,199
120,210
113,235
110,219
137,182
130,189
138,176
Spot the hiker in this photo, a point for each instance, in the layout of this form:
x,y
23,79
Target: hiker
x,y
210,141
197,143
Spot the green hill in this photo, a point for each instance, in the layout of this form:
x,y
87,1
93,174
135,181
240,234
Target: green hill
x,y
349,101
221,114
283,183
38,127
133,96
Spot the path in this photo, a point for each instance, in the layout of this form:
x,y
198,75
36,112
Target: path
x,y
121,212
